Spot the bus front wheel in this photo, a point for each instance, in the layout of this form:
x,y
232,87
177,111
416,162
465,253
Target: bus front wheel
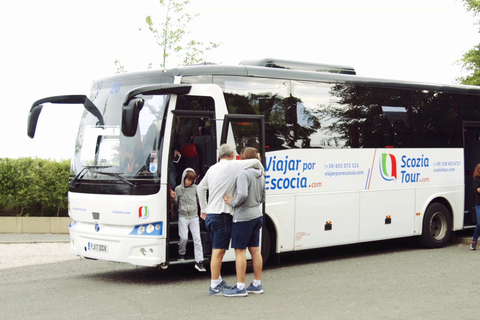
x,y
266,244
437,226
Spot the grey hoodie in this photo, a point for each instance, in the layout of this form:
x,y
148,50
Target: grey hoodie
x,y
249,196
187,198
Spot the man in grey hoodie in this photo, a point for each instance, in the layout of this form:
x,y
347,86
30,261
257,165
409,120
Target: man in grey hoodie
x,y
247,222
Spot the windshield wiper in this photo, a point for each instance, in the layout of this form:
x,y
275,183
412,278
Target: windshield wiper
x,y
118,176
82,173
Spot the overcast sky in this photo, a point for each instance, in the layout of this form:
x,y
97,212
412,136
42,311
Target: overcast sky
x,y
56,47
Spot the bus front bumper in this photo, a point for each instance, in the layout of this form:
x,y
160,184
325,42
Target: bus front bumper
x,y
137,250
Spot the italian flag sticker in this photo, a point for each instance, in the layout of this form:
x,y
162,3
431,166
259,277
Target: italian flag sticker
x,y
143,212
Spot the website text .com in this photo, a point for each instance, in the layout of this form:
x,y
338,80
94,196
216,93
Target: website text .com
x,y
344,173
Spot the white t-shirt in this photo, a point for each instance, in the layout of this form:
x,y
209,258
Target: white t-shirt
x,y
220,180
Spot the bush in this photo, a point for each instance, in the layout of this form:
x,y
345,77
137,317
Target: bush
x,y
34,187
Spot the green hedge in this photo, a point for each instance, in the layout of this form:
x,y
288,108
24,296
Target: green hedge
x,y
34,187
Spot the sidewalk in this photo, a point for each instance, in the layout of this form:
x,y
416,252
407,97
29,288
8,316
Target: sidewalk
x,y
7,238
24,249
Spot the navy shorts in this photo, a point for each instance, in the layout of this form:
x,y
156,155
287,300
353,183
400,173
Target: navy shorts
x,y
220,228
246,233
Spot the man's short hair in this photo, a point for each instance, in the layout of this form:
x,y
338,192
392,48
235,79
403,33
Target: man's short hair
x,y
224,151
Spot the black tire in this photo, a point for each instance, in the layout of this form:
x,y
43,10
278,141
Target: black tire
x,y
437,226
266,244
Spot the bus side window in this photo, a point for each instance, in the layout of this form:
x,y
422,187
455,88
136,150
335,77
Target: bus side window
x,y
400,133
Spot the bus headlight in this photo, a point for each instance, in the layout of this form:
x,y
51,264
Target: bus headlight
x,y
150,228
141,229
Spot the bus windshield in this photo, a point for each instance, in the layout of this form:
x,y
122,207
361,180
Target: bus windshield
x,y
104,155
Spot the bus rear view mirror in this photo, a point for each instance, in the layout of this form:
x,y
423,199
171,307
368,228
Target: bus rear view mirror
x,y
130,114
68,99
132,105
33,119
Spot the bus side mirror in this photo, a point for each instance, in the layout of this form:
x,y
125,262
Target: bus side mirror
x,y
68,99
130,114
33,119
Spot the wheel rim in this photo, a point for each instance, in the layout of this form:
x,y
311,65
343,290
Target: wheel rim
x,y
438,226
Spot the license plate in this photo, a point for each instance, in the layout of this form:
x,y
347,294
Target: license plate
x,y
97,247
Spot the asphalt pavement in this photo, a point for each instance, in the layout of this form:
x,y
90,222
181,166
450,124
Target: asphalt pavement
x,y
381,280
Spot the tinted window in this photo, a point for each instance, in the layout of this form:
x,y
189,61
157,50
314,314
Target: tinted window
x,y
319,116
301,114
347,115
269,97
470,107
437,119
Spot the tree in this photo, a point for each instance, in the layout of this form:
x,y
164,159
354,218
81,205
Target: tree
x,y
472,5
119,66
470,61
170,35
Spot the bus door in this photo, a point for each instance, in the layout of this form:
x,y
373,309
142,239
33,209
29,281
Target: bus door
x,y
240,131
243,130
193,143
471,156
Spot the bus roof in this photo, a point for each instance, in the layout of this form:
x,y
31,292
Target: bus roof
x,y
247,70
298,65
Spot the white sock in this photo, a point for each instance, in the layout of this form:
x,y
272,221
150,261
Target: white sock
x,y
214,283
256,283
240,286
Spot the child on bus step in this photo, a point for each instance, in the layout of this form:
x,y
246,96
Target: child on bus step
x,y
185,195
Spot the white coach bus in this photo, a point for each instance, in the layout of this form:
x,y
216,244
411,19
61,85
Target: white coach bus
x,y
348,159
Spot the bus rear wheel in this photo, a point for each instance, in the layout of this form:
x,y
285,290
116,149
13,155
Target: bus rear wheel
x,y
437,226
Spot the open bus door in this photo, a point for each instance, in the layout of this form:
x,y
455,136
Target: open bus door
x,y
240,131
194,137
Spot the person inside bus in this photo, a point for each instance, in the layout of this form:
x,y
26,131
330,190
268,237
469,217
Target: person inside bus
x,y
185,130
247,222
218,181
150,146
131,158
476,190
185,195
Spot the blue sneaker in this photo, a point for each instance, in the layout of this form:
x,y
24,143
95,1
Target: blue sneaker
x,y
218,290
255,290
225,285
235,292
